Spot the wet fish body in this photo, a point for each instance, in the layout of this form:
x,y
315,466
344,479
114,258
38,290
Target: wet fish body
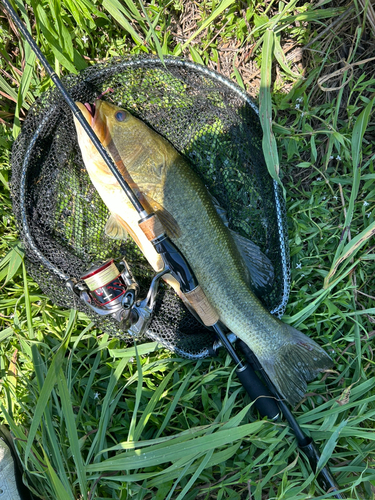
x,y
165,182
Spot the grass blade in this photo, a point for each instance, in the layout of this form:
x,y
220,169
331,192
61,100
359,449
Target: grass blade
x,y
359,130
330,446
56,43
60,491
46,388
28,307
172,473
98,442
152,32
357,138
13,260
176,438
88,386
7,332
23,90
265,108
147,412
280,56
174,403
135,459
350,250
225,4
117,11
6,90
138,396
72,432
238,76
195,55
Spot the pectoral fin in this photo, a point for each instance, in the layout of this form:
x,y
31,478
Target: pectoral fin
x,y
259,265
116,228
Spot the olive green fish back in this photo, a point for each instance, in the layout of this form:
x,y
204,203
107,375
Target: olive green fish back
x,y
61,217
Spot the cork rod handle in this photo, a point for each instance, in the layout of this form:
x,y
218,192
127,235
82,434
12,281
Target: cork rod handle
x,y
203,308
152,227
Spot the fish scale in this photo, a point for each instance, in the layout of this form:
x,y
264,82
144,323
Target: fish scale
x,y
168,183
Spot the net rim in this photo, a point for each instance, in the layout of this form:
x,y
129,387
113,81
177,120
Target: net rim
x,y
117,66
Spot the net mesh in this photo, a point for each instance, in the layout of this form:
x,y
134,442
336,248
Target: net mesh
x,y
61,217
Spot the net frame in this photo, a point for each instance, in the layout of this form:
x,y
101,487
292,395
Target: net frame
x,y
22,159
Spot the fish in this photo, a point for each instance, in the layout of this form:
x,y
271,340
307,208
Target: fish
x,y
165,183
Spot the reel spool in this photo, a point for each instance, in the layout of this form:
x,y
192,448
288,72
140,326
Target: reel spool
x,y
62,218
107,291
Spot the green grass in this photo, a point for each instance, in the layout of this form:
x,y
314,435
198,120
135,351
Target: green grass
x,y
95,418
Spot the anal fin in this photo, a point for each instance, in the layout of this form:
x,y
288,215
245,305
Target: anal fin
x,y
258,264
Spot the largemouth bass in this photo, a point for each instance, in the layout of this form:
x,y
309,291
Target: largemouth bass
x,y
166,184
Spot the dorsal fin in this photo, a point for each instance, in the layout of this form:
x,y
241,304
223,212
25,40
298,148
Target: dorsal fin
x,y
259,265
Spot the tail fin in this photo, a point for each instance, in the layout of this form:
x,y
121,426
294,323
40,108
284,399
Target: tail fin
x,y
297,361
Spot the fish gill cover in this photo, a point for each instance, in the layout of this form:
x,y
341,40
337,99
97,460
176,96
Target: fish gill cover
x,y
62,218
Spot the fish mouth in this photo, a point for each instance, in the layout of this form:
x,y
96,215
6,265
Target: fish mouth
x,y
87,110
91,108
91,111
92,114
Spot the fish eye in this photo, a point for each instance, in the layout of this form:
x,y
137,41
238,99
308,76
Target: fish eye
x,y
120,116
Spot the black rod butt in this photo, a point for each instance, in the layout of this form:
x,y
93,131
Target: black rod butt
x,y
324,477
263,400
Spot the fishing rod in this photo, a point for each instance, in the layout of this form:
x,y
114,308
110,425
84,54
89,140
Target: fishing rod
x,y
136,314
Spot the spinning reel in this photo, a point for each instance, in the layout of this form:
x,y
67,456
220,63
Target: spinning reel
x,y
107,291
